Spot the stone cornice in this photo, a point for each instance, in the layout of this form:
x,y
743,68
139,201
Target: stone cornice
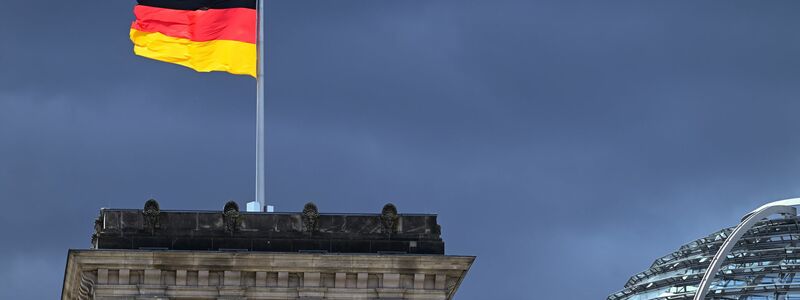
x,y
434,276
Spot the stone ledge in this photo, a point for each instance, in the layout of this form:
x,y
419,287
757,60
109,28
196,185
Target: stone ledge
x,y
188,274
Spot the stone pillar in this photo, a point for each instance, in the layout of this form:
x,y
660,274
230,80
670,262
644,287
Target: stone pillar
x,y
180,277
440,280
124,276
152,277
202,278
419,281
311,279
102,276
391,280
261,278
361,283
283,279
341,280
232,278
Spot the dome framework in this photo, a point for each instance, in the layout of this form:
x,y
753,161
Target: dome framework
x,y
758,259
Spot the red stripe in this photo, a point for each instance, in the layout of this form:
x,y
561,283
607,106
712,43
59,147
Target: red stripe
x,y
236,24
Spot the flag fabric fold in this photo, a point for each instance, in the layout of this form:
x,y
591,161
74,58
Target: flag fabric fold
x,y
204,35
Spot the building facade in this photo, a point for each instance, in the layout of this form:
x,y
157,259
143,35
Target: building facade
x,y
228,254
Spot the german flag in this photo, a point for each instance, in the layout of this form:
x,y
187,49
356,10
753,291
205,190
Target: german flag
x,y
205,35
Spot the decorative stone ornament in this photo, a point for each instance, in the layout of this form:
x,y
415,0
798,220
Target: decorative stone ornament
x,y
389,219
231,216
151,215
98,226
310,217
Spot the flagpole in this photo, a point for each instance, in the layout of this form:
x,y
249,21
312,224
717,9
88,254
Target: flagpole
x,y
260,114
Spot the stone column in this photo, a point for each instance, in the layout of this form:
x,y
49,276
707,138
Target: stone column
x,y
124,276
283,279
232,278
341,280
361,283
419,281
261,278
152,277
180,277
391,280
440,280
102,276
311,279
202,278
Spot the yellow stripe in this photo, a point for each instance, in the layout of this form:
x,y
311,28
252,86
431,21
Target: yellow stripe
x,y
219,55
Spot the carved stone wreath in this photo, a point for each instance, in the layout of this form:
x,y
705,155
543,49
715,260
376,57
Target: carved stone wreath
x,y
231,217
151,215
389,219
310,218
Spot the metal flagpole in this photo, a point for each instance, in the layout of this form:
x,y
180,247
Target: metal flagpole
x,y
260,114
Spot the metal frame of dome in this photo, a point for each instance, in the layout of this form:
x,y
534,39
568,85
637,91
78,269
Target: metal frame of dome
x,y
686,273
784,207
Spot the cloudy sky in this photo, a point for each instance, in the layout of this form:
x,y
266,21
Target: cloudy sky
x,y
566,144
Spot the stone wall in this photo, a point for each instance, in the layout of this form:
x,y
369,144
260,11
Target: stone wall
x,y
140,274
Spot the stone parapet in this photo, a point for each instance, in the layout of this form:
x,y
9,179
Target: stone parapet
x,y
306,231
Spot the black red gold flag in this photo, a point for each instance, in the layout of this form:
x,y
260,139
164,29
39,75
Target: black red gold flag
x,y
205,35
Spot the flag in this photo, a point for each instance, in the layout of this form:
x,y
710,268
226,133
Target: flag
x,y
205,35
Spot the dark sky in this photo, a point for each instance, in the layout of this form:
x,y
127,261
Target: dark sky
x,y
565,143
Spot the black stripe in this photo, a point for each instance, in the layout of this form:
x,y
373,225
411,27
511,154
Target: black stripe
x,y
198,4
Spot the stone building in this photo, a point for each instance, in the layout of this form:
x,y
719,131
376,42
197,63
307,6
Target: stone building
x,y
154,254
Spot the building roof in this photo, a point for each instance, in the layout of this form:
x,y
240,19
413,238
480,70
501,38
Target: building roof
x,y
230,229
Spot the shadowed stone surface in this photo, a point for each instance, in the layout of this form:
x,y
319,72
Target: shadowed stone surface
x,y
276,232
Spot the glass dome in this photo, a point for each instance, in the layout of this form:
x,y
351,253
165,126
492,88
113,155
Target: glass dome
x,y
762,265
